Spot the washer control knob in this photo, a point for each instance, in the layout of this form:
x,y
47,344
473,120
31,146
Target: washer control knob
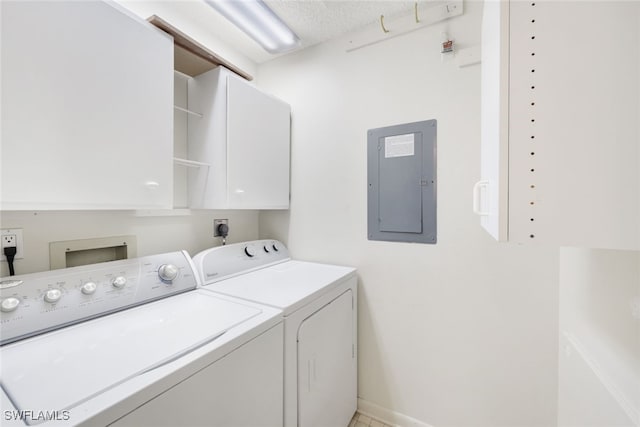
x,y
275,247
9,304
266,248
250,251
168,272
53,295
119,282
88,288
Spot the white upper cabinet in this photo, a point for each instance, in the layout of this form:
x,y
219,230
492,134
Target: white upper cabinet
x,y
87,108
561,123
244,135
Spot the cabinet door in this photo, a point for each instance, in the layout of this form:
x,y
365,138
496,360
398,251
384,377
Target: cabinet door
x,y
87,95
258,136
327,366
490,193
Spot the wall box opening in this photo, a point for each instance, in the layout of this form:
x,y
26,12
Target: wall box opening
x,y
401,165
72,253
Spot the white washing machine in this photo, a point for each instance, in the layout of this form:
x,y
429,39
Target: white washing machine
x,y
319,306
134,343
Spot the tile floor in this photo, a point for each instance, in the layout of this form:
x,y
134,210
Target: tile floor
x,y
361,420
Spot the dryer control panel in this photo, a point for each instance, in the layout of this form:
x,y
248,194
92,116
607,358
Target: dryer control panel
x,y
227,261
34,303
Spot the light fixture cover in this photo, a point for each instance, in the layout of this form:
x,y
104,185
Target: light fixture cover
x,y
259,22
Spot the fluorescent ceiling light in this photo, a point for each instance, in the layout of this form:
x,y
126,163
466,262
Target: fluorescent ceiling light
x,y
258,22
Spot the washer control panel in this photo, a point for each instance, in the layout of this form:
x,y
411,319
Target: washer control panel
x,y
39,302
225,261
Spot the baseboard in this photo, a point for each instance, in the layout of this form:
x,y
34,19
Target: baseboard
x,y
387,415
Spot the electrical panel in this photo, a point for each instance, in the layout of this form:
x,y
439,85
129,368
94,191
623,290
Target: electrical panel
x,y
401,163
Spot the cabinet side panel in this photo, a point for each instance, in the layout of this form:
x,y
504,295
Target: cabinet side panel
x,y
574,143
494,118
207,140
180,173
87,113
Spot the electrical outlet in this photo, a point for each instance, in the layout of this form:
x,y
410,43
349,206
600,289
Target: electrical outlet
x,y
9,240
11,237
216,223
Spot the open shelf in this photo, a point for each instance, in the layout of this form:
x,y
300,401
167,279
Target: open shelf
x,y
193,113
190,163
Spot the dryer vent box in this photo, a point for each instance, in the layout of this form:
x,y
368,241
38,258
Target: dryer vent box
x,y
73,253
401,163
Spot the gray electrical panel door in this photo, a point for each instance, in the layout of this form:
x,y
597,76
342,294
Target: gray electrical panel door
x,y
402,182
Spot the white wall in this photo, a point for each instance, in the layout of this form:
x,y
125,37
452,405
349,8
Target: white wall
x,y
462,333
154,234
599,358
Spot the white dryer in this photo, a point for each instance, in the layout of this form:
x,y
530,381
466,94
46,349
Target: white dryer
x,y
319,305
134,343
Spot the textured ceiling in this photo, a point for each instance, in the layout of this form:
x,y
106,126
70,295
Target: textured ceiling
x,y
315,21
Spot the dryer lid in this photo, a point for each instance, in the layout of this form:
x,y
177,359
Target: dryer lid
x,y
61,369
287,286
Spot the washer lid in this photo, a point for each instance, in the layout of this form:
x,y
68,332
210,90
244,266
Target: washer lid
x,y
63,368
287,286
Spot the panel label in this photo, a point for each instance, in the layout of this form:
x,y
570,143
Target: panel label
x,y
399,145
